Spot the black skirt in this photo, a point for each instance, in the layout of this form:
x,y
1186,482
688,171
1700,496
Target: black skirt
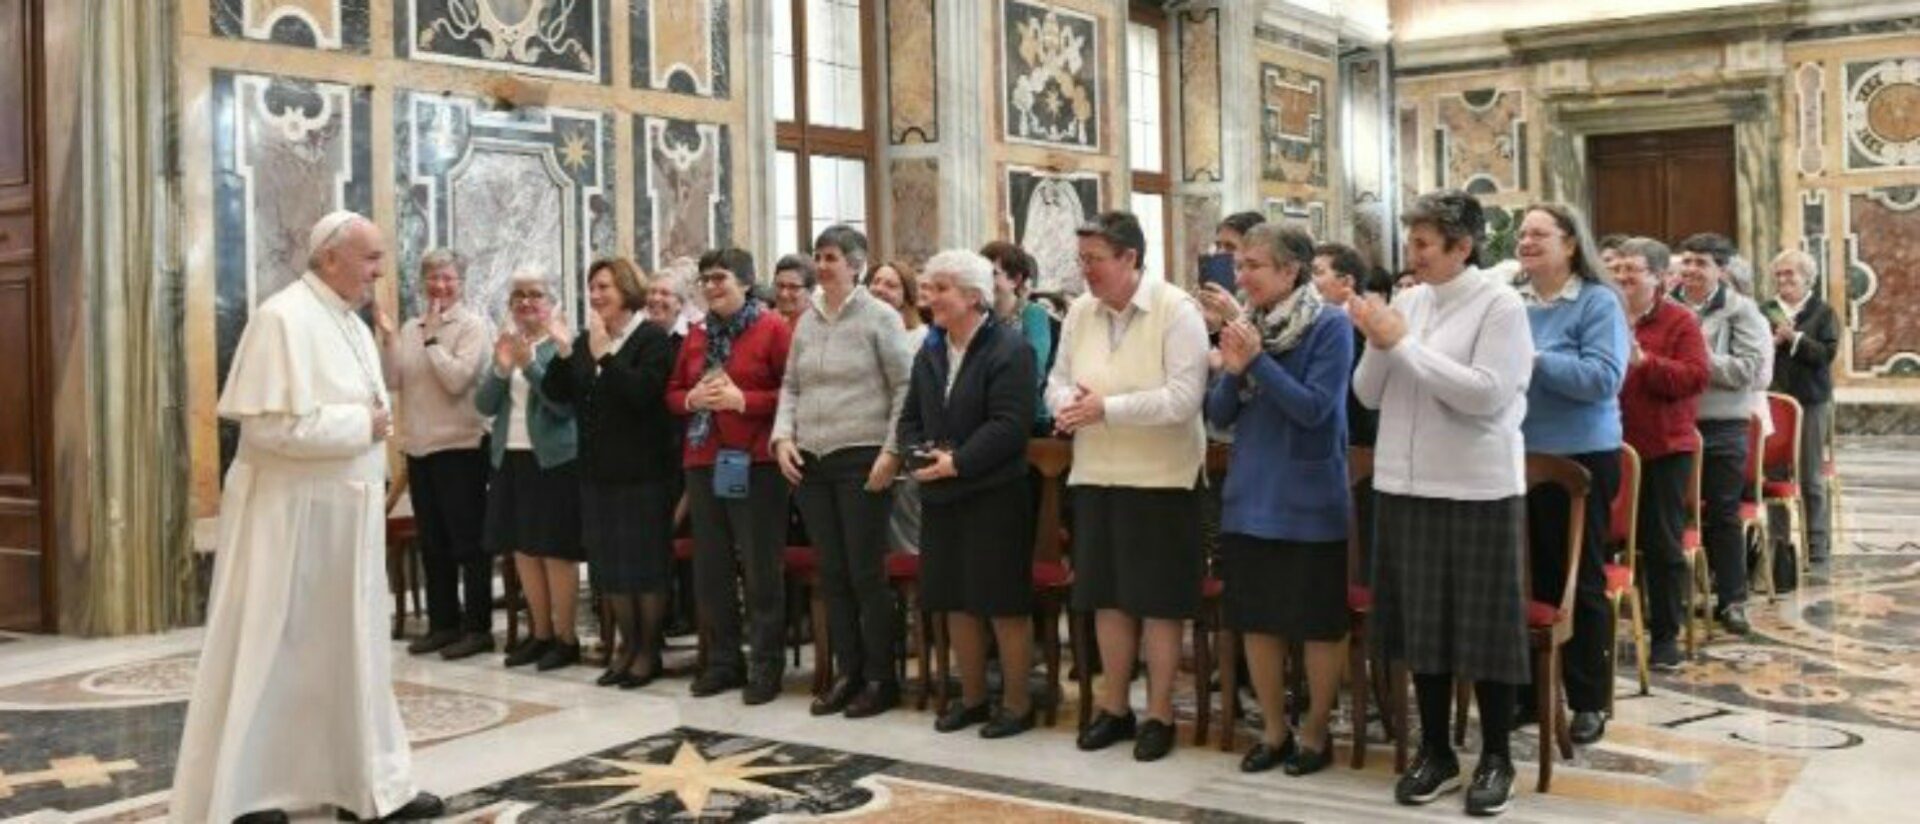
x,y
1296,590
1449,597
1137,551
627,530
534,511
976,554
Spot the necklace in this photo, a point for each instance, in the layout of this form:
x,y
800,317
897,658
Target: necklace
x,y
346,335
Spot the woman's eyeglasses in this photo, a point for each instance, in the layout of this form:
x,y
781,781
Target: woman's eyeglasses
x,y
526,297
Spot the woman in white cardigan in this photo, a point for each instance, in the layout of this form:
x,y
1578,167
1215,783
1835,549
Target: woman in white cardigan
x,y
1447,365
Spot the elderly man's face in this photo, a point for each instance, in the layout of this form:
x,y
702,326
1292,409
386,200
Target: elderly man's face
x,y
1699,274
353,263
1791,284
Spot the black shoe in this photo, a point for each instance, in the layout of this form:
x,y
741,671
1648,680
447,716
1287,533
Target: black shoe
x,y
1154,742
761,689
433,641
1265,756
558,655
1430,777
1665,657
1007,725
630,680
469,645
1587,727
959,717
611,678
1492,789
422,807
263,817
837,697
1308,762
1105,730
877,698
1734,618
533,649
714,682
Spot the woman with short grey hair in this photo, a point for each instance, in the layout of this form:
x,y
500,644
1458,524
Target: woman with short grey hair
x,y
968,410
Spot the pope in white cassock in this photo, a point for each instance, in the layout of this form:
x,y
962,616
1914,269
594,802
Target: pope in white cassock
x,y
293,704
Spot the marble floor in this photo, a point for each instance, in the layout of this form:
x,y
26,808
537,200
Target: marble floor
x,y
1811,718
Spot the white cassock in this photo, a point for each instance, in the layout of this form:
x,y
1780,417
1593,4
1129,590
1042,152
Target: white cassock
x,y
293,704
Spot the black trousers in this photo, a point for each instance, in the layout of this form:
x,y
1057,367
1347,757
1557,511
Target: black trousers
x,y
448,490
848,526
1663,519
1584,658
1723,477
747,535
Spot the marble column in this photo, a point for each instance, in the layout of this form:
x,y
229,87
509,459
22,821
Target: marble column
x,y
960,29
1239,107
1756,176
757,150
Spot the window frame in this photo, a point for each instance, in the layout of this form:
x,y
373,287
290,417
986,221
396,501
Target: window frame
x,y
807,141
1157,183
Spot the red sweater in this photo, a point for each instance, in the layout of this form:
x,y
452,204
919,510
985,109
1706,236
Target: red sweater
x,y
1661,399
757,364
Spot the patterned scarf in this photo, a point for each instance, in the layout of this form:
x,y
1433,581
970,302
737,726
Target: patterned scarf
x,y
721,333
1282,327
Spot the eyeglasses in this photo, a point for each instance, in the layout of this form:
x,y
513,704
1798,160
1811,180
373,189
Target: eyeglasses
x,y
715,278
526,297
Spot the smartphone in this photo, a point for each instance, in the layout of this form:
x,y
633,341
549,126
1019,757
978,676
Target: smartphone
x,y
1776,314
1218,269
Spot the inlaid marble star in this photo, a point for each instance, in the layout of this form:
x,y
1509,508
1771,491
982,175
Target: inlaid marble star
x,y
691,777
573,152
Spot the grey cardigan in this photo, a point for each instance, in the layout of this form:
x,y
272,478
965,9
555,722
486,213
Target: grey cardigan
x,y
846,377
1739,354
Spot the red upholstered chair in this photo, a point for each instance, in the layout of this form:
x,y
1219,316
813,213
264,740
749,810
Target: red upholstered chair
x,y
1211,634
1623,572
1050,458
1550,625
1366,667
1699,591
1754,529
1780,474
802,567
404,576
903,574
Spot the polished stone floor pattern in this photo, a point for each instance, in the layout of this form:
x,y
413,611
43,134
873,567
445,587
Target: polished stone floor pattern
x,y
1816,716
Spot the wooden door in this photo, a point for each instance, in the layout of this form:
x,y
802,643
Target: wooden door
x,y
26,597
1663,185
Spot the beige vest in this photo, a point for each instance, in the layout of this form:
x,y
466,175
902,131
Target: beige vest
x,y
1145,457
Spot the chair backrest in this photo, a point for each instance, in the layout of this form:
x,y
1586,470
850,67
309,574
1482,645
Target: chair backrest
x,y
1624,515
1756,455
1572,479
1050,457
1781,457
1359,481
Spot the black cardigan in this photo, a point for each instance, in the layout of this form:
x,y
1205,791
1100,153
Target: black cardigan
x,y
987,416
1806,371
626,433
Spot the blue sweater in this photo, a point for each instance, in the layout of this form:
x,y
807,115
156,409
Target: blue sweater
x,y
1288,478
1573,401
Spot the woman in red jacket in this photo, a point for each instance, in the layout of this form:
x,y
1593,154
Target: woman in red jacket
x,y
1666,374
726,383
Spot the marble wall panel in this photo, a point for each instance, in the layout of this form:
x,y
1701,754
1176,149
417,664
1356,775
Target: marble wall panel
x,y
1883,280
913,113
680,46
915,188
1051,59
286,152
1293,126
1300,213
335,25
564,39
1200,95
1813,235
1481,141
1408,137
1045,208
1199,216
683,197
1883,114
1809,92
530,188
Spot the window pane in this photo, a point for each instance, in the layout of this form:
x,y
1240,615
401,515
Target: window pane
x,y
1151,209
834,64
786,203
1143,97
839,193
783,63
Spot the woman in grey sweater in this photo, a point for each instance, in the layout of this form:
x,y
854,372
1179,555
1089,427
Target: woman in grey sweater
x,y
833,438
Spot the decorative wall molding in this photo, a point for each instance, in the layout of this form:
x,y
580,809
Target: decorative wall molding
x,y
1883,280
330,25
561,39
1810,94
680,46
1883,114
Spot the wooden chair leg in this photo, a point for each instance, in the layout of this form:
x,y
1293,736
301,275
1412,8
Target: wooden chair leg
x,y
924,633
1227,646
1050,637
822,652
1358,686
397,582
1083,651
1636,608
1202,676
1546,700
1462,697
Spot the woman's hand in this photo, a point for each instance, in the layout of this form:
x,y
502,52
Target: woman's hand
x,y
506,353
561,333
1218,306
598,341
788,457
885,468
940,467
1239,345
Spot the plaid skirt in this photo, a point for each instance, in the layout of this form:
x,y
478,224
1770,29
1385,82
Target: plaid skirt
x,y
1449,594
627,530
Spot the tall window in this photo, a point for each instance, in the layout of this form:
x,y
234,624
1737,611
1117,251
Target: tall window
x,y
1147,135
823,134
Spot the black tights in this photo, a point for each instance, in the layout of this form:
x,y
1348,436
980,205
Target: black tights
x,y
1435,696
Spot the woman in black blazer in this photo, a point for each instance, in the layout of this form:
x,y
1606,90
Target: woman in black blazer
x,y
969,408
617,383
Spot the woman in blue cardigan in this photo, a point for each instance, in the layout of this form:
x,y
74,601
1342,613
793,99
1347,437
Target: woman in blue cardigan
x,y
533,503
1581,347
1283,520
